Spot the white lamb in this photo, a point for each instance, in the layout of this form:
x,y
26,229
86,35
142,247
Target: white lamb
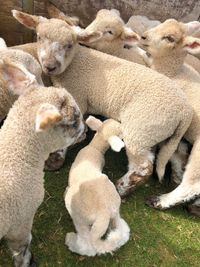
x,y
149,106
41,121
140,24
168,45
91,198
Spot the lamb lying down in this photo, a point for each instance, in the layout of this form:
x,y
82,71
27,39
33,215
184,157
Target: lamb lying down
x,y
91,198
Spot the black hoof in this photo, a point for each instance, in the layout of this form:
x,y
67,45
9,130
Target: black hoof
x,y
54,162
194,210
32,262
153,202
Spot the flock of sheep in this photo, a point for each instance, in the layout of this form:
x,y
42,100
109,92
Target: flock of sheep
x,y
147,88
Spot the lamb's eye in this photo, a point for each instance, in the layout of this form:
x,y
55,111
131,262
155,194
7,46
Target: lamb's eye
x,y
110,32
68,46
38,38
169,39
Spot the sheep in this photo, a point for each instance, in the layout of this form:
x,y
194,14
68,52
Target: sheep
x,y
140,24
42,120
94,209
168,45
115,88
30,66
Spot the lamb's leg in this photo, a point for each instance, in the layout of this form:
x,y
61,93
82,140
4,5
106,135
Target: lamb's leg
x,y
194,208
80,242
179,161
19,240
140,169
188,189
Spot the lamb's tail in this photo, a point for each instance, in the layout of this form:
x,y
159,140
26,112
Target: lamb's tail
x,y
169,147
116,238
2,43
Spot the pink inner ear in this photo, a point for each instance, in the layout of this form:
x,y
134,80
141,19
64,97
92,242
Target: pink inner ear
x,y
26,20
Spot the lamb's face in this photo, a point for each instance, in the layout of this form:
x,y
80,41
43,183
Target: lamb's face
x,y
109,23
165,38
114,32
61,117
56,39
56,47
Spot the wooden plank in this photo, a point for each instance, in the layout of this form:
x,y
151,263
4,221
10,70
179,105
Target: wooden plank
x,y
185,10
28,7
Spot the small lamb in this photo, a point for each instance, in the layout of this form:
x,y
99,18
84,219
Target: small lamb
x,y
141,24
41,121
149,106
168,45
91,198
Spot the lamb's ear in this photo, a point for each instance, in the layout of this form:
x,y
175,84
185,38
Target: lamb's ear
x,y
54,12
30,21
129,36
191,45
193,27
93,123
115,11
2,44
116,143
16,78
47,116
86,36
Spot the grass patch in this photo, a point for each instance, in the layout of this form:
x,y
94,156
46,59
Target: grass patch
x,y
158,238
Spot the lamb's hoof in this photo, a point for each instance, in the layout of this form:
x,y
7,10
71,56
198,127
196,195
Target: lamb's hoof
x,y
123,190
54,162
154,202
32,262
194,210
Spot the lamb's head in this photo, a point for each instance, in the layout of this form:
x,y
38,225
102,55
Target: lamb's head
x,y
49,110
172,37
140,24
57,40
109,131
114,32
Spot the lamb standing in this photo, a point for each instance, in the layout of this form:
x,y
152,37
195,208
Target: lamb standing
x,y
94,209
168,45
40,121
115,88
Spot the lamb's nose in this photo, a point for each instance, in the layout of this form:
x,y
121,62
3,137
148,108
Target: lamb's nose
x,y
50,69
143,37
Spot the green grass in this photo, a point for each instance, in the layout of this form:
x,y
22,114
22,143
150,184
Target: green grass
x,y
170,238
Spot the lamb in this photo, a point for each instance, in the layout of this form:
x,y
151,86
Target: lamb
x,y
140,24
30,66
168,45
115,88
42,120
95,209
